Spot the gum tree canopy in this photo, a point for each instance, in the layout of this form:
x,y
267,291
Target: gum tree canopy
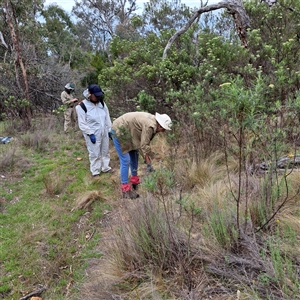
x,y
234,7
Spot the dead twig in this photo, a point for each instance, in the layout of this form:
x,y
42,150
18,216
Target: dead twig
x,y
34,293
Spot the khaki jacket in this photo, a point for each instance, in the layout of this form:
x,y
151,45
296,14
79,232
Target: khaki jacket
x,y
67,99
135,130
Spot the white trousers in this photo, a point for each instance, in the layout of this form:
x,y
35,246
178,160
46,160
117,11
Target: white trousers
x,y
98,154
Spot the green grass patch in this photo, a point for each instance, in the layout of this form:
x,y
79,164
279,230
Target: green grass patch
x,y
41,239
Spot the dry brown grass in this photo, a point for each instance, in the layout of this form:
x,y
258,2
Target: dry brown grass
x,y
127,269
201,172
85,200
159,248
12,159
159,147
8,159
54,183
38,140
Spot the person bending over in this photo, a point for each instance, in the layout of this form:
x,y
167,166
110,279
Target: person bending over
x,y
130,133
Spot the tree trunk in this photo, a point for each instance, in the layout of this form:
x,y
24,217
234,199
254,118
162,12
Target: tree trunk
x,y
25,112
234,7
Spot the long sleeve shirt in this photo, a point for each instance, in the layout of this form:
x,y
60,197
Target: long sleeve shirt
x,y
135,130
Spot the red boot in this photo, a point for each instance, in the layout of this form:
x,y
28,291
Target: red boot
x,y
135,181
127,192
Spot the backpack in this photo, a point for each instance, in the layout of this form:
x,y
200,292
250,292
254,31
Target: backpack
x,y
82,106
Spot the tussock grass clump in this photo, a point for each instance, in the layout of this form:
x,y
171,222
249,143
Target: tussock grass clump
x,y
84,201
189,173
12,159
160,147
38,140
146,256
38,137
54,183
12,127
51,123
155,240
8,159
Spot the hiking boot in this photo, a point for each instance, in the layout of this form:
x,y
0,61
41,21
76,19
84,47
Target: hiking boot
x,y
135,181
130,195
110,171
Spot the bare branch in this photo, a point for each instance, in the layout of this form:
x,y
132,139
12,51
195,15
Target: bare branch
x,y
234,7
2,40
34,293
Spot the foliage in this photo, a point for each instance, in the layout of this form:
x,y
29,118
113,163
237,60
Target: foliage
x,y
230,226
60,33
161,15
102,19
42,46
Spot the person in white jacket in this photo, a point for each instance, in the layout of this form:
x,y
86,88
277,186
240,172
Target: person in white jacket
x,y
95,124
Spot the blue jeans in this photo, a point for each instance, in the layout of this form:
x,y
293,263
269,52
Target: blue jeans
x,y
130,159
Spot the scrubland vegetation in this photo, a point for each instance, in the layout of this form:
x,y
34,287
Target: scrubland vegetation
x,y
203,227
220,216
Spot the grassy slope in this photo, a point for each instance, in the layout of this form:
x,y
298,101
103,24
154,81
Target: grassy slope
x,y
43,241
179,236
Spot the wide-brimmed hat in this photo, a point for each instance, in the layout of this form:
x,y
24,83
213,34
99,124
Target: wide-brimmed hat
x,y
95,89
164,121
70,86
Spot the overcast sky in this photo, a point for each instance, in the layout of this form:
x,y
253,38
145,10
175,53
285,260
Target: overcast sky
x,y
68,4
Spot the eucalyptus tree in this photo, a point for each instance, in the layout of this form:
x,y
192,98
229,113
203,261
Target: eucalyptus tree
x,y
159,15
234,7
18,28
38,50
60,34
102,18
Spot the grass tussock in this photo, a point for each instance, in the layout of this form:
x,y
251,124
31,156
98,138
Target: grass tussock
x,y
85,200
54,183
50,123
201,229
172,243
37,141
12,127
12,159
192,174
160,147
8,160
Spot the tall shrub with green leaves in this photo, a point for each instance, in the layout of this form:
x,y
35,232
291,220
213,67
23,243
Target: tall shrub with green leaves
x,y
274,44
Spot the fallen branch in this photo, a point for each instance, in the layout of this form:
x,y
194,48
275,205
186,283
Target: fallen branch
x,y
34,293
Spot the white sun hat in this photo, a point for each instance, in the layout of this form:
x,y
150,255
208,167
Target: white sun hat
x,y
164,121
70,86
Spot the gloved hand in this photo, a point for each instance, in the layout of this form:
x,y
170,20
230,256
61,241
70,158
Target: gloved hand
x,y
109,135
149,168
93,138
